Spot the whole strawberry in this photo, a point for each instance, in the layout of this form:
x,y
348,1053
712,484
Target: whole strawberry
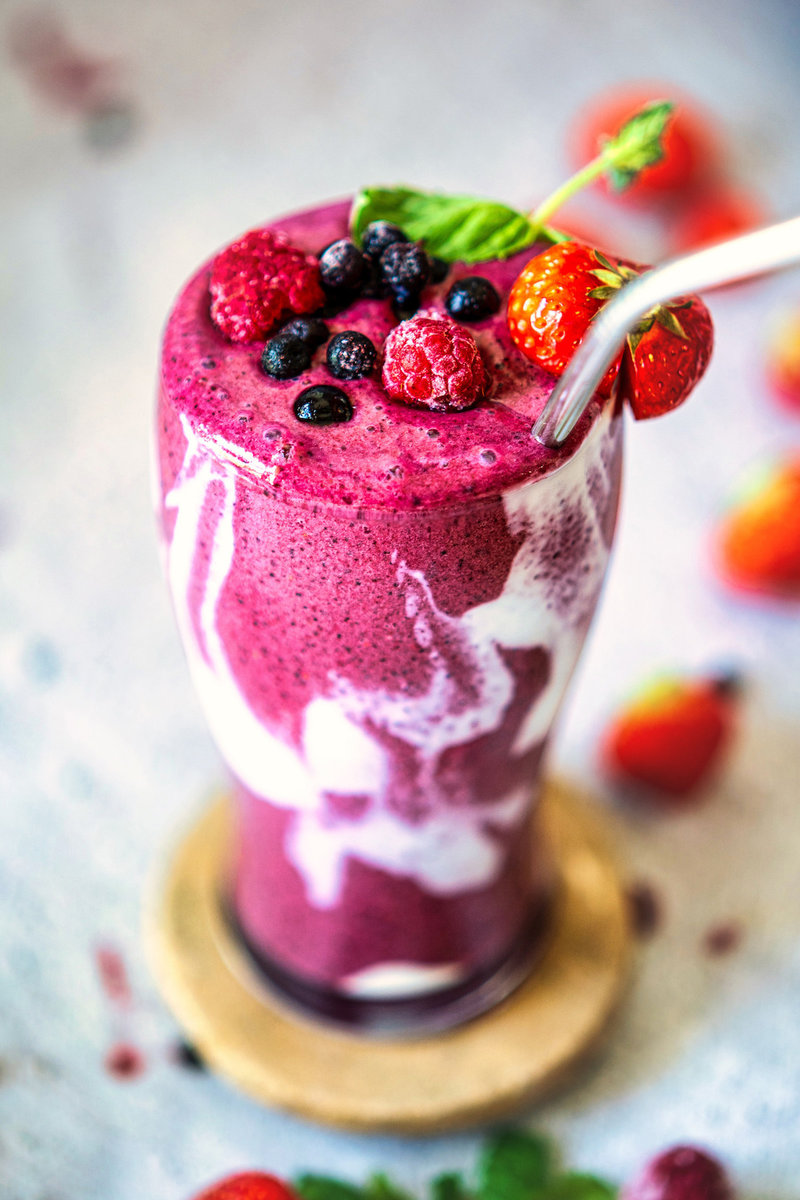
x,y
559,293
758,543
249,1185
783,360
671,737
682,1173
258,281
552,302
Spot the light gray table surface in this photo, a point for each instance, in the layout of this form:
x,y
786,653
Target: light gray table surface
x,y
243,110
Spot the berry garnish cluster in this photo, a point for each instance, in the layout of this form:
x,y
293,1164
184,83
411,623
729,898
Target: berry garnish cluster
x,y
513,1165
263,287
429,361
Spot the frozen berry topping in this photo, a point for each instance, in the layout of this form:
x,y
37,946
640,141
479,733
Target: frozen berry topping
x,y
406,270
682,1173
285,356
351,355
430,362
472,299
311,330
341,265
323,404
378,235
258,281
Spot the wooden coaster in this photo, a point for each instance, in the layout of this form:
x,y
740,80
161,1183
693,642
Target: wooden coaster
x,y
474,1073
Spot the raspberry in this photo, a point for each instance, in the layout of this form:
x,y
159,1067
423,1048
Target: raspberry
x,y
682,1173
430,362
260,280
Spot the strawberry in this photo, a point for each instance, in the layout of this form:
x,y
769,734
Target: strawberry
x,y
552,302
758,542
783,360
670,350
249,1185
671,738
690,145
562,289
712,215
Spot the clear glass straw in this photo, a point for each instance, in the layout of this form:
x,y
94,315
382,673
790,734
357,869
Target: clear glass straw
x,y
756,253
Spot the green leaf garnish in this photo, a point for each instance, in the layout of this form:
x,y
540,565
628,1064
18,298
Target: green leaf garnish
x,y
638,144
450,1186
455,228
514,1166
380,1187
574,1186
323,1187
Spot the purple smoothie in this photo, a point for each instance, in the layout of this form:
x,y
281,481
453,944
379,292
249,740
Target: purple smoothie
x,y
381,617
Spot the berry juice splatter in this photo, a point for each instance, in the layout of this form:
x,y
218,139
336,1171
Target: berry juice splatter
x,y
381,617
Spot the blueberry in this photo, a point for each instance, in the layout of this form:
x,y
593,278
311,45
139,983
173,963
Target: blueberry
x,y
341,265
405,268
380,234
323,405
285,356
351,355
310,330
439,268
472,299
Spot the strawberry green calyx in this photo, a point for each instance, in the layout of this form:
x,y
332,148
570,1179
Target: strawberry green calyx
x,y
613,278
639,144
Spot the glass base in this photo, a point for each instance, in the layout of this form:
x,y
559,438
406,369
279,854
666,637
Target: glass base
x,y
414,1015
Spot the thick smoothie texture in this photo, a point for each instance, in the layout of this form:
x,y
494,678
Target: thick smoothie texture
x,y
381,618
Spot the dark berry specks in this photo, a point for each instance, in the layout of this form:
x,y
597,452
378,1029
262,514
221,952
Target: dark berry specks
x,y
351,355
341,266
311,330
472,299
378,235
323,404
285,356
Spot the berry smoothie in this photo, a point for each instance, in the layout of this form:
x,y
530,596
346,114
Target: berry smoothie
x,y
381,617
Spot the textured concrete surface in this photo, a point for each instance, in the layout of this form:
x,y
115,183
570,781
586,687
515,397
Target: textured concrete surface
x,y
216,116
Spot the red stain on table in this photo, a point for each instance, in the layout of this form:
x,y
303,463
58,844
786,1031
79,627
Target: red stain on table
x,y
124,1061
722,939
645,910
113,976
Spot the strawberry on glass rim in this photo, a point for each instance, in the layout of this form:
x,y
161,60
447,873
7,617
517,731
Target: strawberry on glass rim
x,y
561,290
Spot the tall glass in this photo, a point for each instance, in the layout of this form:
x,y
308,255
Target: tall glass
x,y
381,675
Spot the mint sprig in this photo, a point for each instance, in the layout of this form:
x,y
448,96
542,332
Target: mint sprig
x,y
325,1187
513,1165
456,228
468,229
638,144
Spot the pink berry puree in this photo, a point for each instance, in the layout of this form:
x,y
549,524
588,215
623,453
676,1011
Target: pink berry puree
x,y
381,618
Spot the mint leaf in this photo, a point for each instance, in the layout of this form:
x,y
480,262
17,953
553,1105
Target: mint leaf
x,y
514,1166
380,1187
450,1186
322,1187
638,144
574,1186
456,228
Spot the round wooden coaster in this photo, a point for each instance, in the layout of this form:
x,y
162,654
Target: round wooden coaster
x,y
477,1072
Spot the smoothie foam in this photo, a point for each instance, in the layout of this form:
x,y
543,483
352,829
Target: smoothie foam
x,y
381,618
